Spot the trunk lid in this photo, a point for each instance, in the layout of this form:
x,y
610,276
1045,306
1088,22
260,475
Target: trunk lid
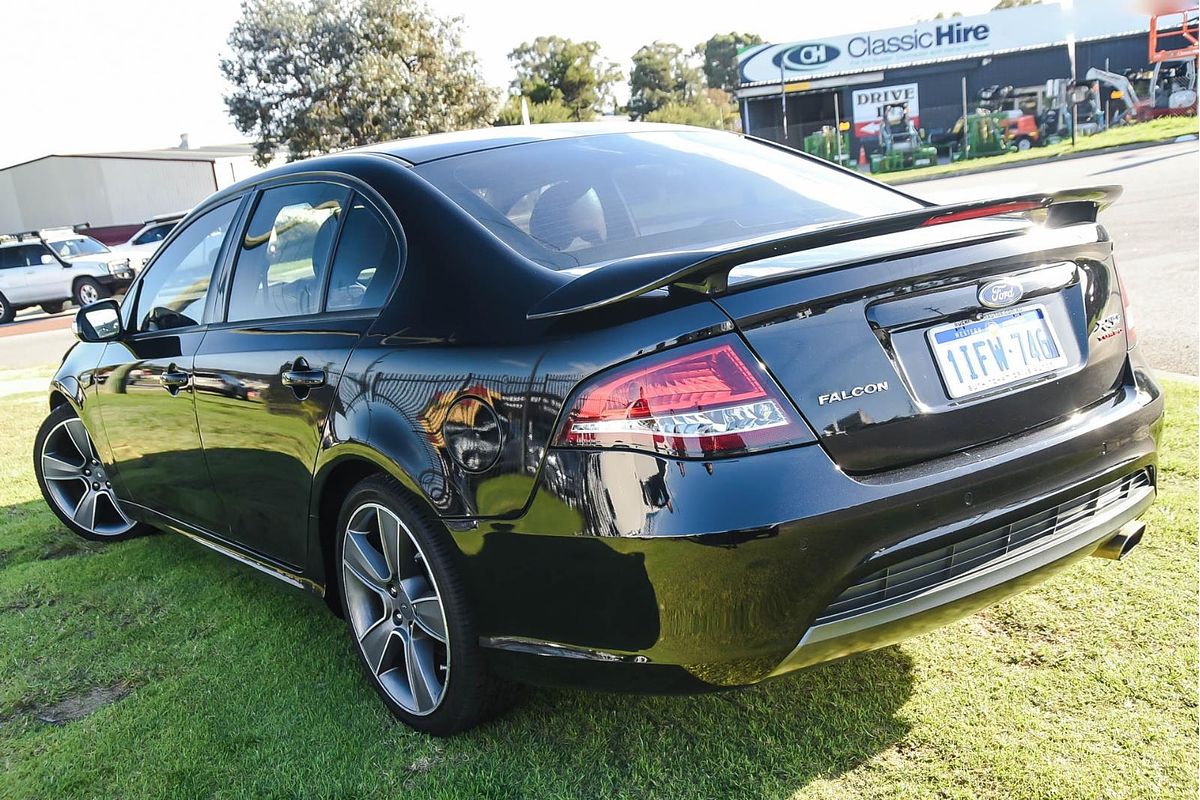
x,y
883,343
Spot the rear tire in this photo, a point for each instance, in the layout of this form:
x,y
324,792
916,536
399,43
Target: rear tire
x,y
406,608
7,312
87,291
53,308
74,483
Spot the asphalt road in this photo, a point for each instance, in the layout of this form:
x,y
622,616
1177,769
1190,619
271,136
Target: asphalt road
x,y
1154,224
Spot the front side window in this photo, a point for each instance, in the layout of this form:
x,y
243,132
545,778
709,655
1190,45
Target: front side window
x,y
588,200
284,254
28,255
10,258
366,261
173,292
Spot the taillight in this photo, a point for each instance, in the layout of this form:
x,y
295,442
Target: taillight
x,y
1127,308
703,400
993,210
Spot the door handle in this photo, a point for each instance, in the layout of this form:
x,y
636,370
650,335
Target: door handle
x,y
301,377
173,379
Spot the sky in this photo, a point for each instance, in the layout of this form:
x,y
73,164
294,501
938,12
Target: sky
x,y
134,74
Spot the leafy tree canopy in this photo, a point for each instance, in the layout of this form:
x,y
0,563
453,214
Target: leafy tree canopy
x,y
311,76
661,74
719,58
710,108
550,111
551,69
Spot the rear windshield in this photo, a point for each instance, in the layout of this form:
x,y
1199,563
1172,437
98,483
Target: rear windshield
x,y
585,201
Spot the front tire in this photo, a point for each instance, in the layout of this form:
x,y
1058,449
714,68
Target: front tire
x,y
87,291
75,484
407,612
7,312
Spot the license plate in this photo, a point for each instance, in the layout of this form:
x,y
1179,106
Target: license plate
x,y
1001,348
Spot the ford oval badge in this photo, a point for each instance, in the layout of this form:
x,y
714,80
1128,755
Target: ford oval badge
x,y
1000,293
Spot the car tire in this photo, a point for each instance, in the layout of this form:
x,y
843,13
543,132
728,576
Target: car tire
x,y
7,312
87,291
1024,143
75,484
395,615
53,308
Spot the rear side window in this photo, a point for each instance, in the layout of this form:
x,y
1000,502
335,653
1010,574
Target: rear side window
x,y
173,292
590,199
284,254
366,261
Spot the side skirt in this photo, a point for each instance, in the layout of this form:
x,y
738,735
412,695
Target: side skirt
x,y
214,542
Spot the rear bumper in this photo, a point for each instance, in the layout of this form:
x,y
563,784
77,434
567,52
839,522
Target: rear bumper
x,y
972,590
631,572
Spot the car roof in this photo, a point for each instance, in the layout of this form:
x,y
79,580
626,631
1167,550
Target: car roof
x,y
423,149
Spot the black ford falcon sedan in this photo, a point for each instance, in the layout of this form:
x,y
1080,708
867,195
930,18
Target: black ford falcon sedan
x,y
631,407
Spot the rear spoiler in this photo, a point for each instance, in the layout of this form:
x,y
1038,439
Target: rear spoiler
x,y
707,270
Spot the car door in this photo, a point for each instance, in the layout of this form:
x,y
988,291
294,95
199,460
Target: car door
x,y
13,264
146,396
46,278
266,377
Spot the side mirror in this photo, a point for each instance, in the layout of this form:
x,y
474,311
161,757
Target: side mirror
x,y
48,259
98,322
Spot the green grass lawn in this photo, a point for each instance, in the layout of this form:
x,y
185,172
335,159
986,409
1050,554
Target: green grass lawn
x,y
213,680
1153,131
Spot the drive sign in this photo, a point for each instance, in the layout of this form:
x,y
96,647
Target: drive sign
x,y
868,107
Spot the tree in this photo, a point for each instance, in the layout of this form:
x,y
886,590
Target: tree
x,y
311,76
720,58
550,111
551,69
661,74
1003,4
710,108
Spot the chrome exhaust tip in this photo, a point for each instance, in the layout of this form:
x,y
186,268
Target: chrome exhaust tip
x,y
1122,542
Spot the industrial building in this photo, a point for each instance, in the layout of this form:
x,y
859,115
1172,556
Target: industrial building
x,y
846,78
105,190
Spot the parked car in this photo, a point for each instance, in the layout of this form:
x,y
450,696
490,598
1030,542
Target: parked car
x,y
50,267
633,407
143,244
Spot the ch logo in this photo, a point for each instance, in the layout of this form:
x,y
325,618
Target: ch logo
x,y
810,56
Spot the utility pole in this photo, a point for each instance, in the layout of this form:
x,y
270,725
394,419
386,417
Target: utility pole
x,y
837,123
783,99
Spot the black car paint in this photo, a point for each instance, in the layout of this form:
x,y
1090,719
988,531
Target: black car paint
x,y
641,572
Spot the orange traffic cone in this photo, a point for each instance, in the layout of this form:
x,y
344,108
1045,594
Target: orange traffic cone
x,y
862,156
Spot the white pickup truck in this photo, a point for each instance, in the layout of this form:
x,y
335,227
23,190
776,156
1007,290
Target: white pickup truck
x,y
47,268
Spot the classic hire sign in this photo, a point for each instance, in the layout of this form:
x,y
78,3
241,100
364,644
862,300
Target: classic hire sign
x,y
1000,31
868,107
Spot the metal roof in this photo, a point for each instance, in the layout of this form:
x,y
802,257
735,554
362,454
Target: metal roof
x,y
209,154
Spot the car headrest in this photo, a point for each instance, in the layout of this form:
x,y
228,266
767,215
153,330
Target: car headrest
x,y
550,221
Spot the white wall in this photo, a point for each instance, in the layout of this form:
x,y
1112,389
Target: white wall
x,y
61,190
